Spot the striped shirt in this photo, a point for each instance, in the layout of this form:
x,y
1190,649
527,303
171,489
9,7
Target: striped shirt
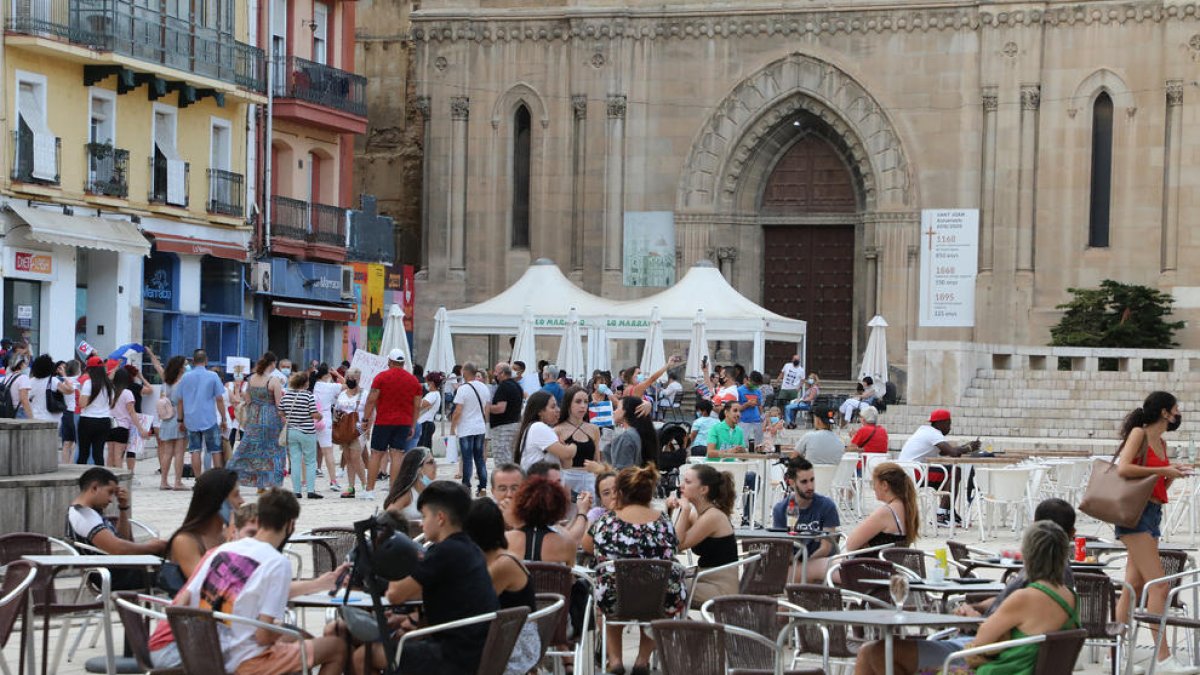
x,y
298,405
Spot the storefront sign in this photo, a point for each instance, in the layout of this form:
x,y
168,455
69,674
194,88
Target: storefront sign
x,y
190,246
949,264
35,265
649,248
306,280
315,312
24,316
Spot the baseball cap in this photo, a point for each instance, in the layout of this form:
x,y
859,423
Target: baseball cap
x,y
94,361
396,355
939,415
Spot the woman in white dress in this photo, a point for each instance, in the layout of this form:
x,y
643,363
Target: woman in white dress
x,y
352,401
326,391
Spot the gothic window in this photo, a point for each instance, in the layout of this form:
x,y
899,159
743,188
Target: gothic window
x,y
522,130
1100,195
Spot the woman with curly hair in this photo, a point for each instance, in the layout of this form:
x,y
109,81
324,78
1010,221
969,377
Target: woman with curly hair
x,y
539,505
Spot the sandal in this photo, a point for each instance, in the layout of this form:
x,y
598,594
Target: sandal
x,y
640,670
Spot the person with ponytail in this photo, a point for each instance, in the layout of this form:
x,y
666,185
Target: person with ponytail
x,y
705,503
636,444
1144,453
634,529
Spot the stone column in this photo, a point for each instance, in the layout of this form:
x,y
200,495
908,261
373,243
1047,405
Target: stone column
x,y
1172,149
987,184
578,184
614,183
726,255
1031,101
421,104
872,256
460,110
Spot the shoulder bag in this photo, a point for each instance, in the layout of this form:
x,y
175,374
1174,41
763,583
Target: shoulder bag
x,y
56,403
164,408
1113,499
345,426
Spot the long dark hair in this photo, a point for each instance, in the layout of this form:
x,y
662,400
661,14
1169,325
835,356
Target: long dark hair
x,y
98,376
174,369
211,490
406,477
1151,410
265,361
43,367
644,428
122,381
721,491
534,406
315,376
564,411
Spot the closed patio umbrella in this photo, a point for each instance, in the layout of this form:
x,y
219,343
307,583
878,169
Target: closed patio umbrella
x,y
523,348
395,337
875,362
654,356
441,349
570,350
698,348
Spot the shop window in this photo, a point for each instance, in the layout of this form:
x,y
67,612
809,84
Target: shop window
x,y
23,312
1102,155
220,339
157,331
220,286
160,281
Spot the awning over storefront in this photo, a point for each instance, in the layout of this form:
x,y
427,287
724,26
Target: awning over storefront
x,y
53,227
171,243
299,310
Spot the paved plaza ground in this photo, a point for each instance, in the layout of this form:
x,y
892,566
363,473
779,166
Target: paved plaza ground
x,y
164,511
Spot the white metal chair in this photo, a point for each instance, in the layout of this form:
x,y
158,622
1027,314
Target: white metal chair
x,y
841,487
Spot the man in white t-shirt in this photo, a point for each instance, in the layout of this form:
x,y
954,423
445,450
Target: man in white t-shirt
x,y
86,524
790,378
250,578
928,443
469,424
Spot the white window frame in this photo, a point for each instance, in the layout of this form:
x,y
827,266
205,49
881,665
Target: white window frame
x,y
227,126
110,97
40,85
176,193
321,32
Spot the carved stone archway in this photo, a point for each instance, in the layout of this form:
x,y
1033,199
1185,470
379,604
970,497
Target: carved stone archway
x,y
725,149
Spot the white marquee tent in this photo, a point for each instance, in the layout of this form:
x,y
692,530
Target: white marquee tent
x,y
550,294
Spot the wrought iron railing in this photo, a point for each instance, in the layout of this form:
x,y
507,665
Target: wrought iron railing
x,y
162,179
145,33
25,167
225,192
324,85
107,170
289,218
328,225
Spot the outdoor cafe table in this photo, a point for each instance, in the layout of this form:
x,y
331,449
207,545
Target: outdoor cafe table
x,y
889,621
794,537
86,564
946,588
1101,547
763,485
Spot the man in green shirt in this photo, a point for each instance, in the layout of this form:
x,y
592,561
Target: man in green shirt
x,y
726,437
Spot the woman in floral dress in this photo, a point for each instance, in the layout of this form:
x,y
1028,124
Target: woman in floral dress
x,y
260,460
633,530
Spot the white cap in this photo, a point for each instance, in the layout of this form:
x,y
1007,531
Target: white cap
x,y
396,355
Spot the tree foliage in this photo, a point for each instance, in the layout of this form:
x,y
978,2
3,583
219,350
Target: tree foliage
x,y
1118,315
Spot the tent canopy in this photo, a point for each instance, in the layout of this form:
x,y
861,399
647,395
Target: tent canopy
x,y
550,294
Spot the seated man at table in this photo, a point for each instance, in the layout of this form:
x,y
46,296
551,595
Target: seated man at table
x,y
726,437
454,583
86,524
506,480
928,443
804,511
913,656
250,577
821,445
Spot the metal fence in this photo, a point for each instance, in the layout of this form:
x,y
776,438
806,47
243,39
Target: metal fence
x,y
107,170
326,86
225,192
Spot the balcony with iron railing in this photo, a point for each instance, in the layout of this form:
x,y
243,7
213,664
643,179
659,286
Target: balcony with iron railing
x,y
315,93
225,192
169,182
107,170
310,230
149,34
36,157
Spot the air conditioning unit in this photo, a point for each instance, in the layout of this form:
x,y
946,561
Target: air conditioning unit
x,y
347,282
260,277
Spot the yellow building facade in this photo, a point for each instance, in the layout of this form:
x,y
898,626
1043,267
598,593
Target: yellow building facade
x,y
128,171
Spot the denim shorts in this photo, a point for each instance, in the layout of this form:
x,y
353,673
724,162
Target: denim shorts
x,y
1150,521
210,437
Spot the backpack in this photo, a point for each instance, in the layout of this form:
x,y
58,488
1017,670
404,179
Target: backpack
x,y
8,410
56,403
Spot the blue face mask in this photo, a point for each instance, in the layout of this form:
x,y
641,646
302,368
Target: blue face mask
x,y
425,480
285,371
226,511
774,420
603,389
641,377
187,367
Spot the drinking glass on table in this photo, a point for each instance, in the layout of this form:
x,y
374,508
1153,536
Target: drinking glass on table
x,y
898,588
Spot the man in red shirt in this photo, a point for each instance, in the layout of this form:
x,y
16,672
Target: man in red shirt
x,y
394,399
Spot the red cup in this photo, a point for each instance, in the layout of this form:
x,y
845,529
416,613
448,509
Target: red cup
x,y
1080,549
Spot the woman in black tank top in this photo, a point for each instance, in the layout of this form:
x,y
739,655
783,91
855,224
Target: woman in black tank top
x,y
573,426
706,501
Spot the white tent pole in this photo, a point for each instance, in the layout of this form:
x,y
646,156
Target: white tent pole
x,y
759,351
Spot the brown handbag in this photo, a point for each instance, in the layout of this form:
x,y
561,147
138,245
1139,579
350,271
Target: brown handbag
x,y
1113,499
345,428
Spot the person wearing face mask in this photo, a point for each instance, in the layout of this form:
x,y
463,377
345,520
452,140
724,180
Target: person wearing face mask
x,y
417,470
790,379
214,498
352,401
1144,453
283,371
812,390
772,426
704,422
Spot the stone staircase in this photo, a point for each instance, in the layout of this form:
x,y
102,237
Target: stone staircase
x,y
1057,407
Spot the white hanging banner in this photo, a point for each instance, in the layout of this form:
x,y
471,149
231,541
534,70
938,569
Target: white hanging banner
x,y
949,266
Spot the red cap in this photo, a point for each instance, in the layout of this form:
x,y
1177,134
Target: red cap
x,y
94,361
939,415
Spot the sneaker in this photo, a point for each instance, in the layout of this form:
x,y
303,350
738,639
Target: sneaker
x,y
383,476
349,494
299,495
341,473
316,495
365,494
320,473
1173,665
334,487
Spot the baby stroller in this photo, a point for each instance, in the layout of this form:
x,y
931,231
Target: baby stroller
x,y
672,455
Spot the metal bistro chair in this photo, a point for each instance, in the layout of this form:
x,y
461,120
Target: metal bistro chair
x,y
754,613
553,578
327,555
702,648
1056,656
504,627
640,588
195,632
748,561
550,608
136,612
1177,583
1097,606
19,575
773,571
828,642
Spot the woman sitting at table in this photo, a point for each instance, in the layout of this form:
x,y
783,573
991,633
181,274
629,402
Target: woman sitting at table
x,y
897,521
705,504
539,505
1044,606
417,469
214,498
